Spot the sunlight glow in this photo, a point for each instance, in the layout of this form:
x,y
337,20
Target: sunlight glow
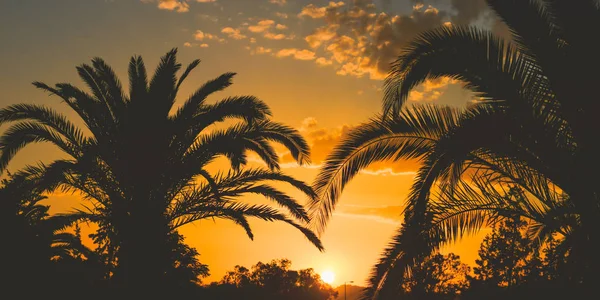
x,y
328,276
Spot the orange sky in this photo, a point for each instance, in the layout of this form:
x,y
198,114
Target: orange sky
x,y
318,64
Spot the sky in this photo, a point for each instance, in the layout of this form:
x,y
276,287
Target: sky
x,y
319,65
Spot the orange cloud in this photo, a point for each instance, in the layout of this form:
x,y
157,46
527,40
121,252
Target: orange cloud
x,y
233,33
281,15
261,26
383,214
261,50
176,5
296,53
200,36
315,12
363,41
278,2
321,34
322,61
274,36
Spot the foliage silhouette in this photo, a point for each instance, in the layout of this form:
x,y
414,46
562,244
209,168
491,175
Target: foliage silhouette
x,y
143,163
38,250
510,266
273,280
529,129
437,277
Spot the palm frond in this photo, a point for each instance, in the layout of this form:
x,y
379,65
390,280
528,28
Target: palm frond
x,y
23,133
490,67
138,79
191,106
115,97
187,72
409,136
45,116
162,88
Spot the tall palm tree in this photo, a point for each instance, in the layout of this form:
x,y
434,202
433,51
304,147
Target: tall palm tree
x,y
530,128
143,162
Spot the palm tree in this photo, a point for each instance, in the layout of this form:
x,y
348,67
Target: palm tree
x,y
531,129
143,162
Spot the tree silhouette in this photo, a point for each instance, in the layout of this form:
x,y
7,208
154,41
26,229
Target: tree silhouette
x,y
437,277
273,280
510,265
144,162
37,250
529,128
506,256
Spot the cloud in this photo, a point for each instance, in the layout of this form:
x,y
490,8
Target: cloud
x,y
430,90
206,1
316,12
415,96
322,61
190,45
274,36
233,33
179,6
363,41
200,36
281,15
261,26
281,27
388,172
261,50
382,214
296,53
321,34
208,17
278,2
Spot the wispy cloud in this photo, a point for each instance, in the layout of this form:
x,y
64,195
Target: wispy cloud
x,y
281,15
391,215
261,50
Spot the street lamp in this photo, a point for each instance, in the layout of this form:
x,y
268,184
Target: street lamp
x,y
345,287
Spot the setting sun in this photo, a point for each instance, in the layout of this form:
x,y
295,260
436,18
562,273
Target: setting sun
x,y
328,277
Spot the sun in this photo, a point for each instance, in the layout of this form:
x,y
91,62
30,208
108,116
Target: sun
x,y
328,276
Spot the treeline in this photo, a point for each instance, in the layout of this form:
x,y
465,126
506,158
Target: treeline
x,y
509,266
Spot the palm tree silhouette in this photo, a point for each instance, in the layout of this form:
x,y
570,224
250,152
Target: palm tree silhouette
x,y
144,166
530,128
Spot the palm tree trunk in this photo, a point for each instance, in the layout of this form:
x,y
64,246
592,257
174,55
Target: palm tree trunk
x,y
143,255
